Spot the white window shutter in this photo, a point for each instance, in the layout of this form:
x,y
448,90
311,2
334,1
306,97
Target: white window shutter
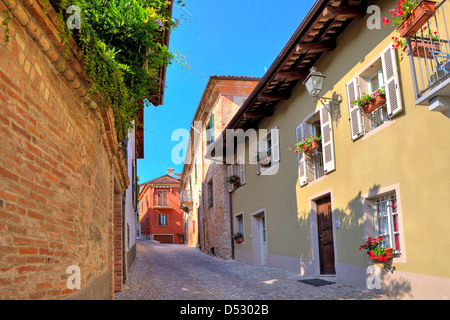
x,y
230,172
275,136
391,80
258,166
302,173
354,111
326,125
241,164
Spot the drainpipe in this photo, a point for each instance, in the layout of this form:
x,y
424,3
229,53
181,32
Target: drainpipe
x,y
231,226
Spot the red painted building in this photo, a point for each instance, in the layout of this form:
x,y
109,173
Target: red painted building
x,y
160,216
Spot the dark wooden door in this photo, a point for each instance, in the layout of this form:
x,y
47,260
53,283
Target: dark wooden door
x,y
325,231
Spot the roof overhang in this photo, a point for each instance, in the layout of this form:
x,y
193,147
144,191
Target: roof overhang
x,y
316,35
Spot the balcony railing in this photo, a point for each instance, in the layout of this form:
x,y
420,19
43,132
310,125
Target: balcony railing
x,y
429,55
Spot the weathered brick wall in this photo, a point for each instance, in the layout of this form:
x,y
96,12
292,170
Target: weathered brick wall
x,y
56,176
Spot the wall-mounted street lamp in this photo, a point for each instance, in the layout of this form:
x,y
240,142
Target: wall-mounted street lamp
x,y
314,85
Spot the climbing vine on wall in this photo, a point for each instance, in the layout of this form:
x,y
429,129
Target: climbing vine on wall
x,y
123,49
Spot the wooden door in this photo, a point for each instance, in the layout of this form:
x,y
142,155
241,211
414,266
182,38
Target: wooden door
x,y
325,231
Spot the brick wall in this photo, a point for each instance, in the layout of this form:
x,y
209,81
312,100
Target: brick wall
x,y
57,171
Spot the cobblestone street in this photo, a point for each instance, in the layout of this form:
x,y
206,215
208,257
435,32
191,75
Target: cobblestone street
x,y
178,272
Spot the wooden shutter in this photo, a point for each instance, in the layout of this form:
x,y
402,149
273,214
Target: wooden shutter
x,y
326,125
274,133
391,80
230,172
301,157
211,127
354,111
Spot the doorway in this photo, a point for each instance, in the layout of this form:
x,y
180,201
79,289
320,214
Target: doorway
x,y
259,235
325,235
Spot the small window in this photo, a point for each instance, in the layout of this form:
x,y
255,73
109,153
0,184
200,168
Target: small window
x,y
386,224
210,194
162,220
239,223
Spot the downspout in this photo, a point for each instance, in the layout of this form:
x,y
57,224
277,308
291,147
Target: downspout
x,y
231,226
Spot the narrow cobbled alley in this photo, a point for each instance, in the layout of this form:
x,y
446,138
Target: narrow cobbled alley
x,y
178,272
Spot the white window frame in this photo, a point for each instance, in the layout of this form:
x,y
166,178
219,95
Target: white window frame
x,y
239,224
370,219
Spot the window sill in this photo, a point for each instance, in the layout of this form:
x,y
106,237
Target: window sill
x,y
376,130
163,207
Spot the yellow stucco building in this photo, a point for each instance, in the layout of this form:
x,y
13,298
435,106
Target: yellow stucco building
x,y
381,174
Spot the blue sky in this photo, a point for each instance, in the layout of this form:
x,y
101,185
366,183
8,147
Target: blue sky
x,y
230,37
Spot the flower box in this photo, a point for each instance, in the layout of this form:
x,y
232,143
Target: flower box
x,y
417,18
374,104
314,146
239,240
389,253
422,49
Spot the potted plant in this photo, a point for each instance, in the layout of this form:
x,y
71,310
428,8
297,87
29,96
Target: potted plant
x,y
429,41
370,102
308,144
411,15
238,237
375,250
233,179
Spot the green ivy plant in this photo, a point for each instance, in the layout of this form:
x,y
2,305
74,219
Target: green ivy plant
x,y
122,45
123,51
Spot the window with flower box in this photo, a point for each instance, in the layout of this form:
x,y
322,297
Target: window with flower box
x,y
381,73
267,151
321,161
237,170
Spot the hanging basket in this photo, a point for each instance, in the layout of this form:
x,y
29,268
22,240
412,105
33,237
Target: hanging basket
x,y
416,19
374,104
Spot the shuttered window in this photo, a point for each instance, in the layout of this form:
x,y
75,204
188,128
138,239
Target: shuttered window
x,y
163,199
267,151
315,164
162,220
382,72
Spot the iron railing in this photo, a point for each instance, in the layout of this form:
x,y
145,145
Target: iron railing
x,y
429,52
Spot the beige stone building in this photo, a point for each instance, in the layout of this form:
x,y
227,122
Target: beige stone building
x,y
204,187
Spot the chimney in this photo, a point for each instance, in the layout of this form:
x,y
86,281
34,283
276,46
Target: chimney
x,y
170,172
178,174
